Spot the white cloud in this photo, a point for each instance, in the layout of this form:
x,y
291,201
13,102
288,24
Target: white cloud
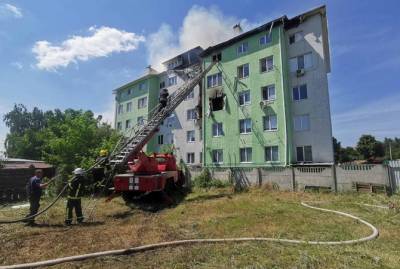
x,y
108,113
201,27
102,42
8,9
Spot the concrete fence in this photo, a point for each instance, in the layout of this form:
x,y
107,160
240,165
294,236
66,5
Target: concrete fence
x,y
342,178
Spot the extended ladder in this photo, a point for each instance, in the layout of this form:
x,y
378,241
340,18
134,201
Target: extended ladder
x,y
134,144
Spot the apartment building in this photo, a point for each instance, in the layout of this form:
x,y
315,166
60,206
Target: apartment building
x,y
182,130
266,102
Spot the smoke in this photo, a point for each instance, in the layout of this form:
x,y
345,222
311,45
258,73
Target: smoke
x,y
200,27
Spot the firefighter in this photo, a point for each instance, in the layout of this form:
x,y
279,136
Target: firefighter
x,y
34,189
75,190
163,98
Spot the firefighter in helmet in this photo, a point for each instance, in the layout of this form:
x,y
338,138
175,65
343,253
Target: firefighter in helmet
x,y
75,191
163,99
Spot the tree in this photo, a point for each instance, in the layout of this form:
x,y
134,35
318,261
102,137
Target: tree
x,y
392,148
65,139
337,150
369,147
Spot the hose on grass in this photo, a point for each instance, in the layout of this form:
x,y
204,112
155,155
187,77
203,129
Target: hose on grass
x,y
374,234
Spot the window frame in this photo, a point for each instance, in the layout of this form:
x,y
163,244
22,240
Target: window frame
x,y
120,109
268,87
303,152
242,48
129,107
140,101
128,124
160,138
242,66
189,112
267,69
192,160
140,120
269,123
220,155
246,154
301,117
266,37
298,89
298,33
142,85
245,127
244,93
271,153
189,136
214,80
173,79
219,131
119,125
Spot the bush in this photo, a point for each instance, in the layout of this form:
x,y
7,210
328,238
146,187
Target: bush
x,y
206,181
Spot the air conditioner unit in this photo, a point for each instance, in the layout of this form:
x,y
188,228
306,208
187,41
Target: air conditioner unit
x,y
265,103
300,72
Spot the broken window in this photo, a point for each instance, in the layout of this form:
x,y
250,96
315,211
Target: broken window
x,y
216,57
217,103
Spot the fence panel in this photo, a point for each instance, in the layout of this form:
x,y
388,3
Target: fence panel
x,y
394,167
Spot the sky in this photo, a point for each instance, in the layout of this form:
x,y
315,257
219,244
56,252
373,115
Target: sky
x,y
72,54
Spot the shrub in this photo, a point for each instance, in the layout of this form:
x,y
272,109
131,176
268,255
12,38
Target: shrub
x,y
206,181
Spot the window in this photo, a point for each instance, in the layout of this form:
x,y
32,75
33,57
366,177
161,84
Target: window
x,y
268,93
245,155
265,39
142,102
217,129
129,92
296,37
172,81
128,124
301,62
129,107
244,47
190,136
190,95
119,125
270,123
271,154
143,85
191,114
304,154
214,80
300,92
162,84
302,123
267,64
217,156
216,57
190,157
245,126
243,71
244,98
120,109
160,139
140,120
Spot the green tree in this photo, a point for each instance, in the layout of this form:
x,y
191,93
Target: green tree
x,y
392,148
65,139
337,150
369,148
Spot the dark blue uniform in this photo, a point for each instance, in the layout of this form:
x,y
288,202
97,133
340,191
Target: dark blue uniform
x,y
34,194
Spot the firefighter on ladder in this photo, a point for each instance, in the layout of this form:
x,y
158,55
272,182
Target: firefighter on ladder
x,y
163,99
75,190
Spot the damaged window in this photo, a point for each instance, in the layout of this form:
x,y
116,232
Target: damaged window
x,y
216,57
217,103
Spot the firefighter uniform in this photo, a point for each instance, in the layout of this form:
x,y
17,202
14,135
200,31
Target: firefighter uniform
x,y
163,99
75,190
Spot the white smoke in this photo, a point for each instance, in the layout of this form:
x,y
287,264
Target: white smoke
x,y
201,27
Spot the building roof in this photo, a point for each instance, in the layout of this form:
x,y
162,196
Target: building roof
x,y
15,163
288,23
173,58
149,73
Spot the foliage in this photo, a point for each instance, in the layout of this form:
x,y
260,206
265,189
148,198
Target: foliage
x,y
342,155
369,147
393,146
66,139
168,148
206,181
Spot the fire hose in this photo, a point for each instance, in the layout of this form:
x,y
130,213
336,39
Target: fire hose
x,y
374,234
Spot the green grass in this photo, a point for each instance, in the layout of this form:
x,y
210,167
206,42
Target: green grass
x,y
211,214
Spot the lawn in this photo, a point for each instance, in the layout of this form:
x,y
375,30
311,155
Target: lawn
x,y
216,213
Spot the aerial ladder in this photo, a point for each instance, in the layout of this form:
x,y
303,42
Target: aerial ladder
x,y
133,172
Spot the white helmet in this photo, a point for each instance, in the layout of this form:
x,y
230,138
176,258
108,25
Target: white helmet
x,y
79,171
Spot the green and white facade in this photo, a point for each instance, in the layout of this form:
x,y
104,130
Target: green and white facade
x,y
266,101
